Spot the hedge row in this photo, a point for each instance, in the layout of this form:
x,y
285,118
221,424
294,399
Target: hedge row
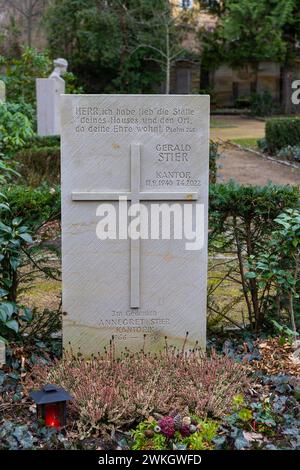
x,y
33,205
46,141
261,204
282,132
38,164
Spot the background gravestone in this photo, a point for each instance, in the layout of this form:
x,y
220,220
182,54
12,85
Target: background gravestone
x,y
48,92
153,148
2,92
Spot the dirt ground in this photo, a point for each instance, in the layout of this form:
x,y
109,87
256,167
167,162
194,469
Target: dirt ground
x,y
236,127
248,168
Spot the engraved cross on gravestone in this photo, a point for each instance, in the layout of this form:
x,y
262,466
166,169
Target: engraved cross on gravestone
x,y
135,196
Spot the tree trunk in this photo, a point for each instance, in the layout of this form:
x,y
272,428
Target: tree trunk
x,y
168,77
286,89
168,65
29,31
291,311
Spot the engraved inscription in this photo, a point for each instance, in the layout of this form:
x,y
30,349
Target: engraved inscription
x,y
173,153
141,120
126,324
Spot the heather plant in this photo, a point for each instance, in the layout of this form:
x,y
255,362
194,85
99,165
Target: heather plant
x,y
123,391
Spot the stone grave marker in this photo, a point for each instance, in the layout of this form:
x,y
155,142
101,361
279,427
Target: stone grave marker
x,y
48,92
128,162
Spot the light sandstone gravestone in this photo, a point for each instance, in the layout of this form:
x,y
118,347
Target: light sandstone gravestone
x,y
147,149
48,92
2,92
2,353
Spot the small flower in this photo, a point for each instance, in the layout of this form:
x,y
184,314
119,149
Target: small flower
x,y
193,428
167,426
185,430
177,421
186,421
157,429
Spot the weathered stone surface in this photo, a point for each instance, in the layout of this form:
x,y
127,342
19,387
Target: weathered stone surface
x,y
48,91
153,149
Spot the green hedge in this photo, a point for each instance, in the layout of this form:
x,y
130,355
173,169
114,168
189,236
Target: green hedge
x,y
33,205
281,132
38,164
213,157
254,207
39,141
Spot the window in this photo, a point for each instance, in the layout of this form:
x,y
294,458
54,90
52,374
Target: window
x,y
186,4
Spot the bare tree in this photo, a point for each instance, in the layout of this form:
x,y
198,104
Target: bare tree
x,y
29,10
165,38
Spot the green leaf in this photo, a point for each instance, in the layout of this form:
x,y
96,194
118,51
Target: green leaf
x,y
3,316
26,237
16,221
7,308
245,414
12,325
5,228
27,314
15,263
3,292
250,275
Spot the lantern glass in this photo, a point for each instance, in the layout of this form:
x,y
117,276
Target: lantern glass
x,y
54,414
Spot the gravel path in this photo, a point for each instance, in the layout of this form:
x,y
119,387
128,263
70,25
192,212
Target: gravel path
x,y
248,168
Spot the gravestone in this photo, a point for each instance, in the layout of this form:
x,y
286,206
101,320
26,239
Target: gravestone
x,y
48,92
2,353
120,151
2,92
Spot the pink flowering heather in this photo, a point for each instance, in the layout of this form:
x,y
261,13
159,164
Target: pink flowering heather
x,y
123,391
167,426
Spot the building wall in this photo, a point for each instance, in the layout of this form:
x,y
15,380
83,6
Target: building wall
x,y
185,78
229,84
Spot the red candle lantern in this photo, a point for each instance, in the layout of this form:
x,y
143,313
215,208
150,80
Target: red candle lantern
x,y
51,405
